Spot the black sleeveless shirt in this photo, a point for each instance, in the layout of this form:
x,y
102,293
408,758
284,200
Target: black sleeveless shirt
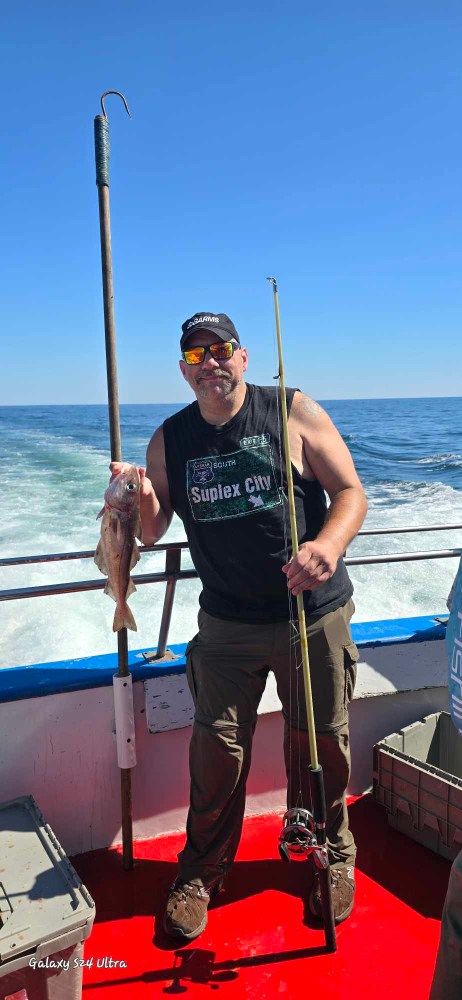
x,y
228,486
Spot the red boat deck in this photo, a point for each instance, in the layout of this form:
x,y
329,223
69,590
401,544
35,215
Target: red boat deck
x,y
259,941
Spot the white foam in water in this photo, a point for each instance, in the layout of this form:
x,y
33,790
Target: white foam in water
x,y
74,625
409,588
57,513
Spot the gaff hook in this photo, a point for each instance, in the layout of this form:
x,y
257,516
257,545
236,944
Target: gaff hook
x,y
101,125
106,92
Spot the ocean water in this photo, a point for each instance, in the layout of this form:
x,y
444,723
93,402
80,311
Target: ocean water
x,y
54,470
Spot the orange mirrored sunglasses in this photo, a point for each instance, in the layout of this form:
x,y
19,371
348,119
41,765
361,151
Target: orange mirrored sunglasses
x,y
222,351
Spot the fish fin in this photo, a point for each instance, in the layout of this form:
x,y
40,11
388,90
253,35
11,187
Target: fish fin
x,y
99,559
123,618
101,512
130,589
135,556
109,591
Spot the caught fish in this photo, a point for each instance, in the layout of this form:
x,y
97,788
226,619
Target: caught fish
x,y
117,552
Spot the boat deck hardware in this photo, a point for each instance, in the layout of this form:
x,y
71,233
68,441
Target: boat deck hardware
x,y
151,656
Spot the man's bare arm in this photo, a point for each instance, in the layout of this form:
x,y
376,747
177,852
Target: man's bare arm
x,y
327,458
155,504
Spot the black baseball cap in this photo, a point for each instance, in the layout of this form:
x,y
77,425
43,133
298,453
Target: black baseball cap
x,y
217,323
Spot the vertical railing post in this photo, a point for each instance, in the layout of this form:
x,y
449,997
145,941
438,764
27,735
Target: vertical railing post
x,y
172,565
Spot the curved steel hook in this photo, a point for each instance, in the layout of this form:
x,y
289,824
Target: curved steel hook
x,y
106,92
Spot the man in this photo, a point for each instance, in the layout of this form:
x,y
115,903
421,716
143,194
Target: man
x,y
218,464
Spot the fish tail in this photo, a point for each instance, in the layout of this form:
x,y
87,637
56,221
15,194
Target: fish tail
x,y
123,618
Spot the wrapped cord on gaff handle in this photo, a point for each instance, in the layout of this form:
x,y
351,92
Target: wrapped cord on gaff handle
x,y
102,147
102,150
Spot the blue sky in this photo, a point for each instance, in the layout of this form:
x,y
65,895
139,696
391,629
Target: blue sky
x,y
319,143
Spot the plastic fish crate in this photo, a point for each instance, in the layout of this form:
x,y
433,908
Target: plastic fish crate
x,y
418,778
45,911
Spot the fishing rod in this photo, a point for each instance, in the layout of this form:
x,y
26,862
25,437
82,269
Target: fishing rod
x,y
123,693
304,833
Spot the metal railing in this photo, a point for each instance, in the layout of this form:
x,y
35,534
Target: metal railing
x,y
173,572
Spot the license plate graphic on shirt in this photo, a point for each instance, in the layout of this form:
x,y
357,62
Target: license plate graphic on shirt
x,y
224,486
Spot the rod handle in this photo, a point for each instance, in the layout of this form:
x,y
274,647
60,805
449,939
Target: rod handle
x,y
318,800
327,909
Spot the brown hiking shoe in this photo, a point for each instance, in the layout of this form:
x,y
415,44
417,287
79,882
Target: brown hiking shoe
x,y
343,891
186,910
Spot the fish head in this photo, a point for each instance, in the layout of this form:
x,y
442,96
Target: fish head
x,y
124,490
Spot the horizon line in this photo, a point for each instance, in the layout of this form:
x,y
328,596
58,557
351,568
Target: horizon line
x,y
327,399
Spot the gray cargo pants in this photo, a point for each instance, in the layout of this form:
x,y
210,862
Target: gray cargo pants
x,y
227,667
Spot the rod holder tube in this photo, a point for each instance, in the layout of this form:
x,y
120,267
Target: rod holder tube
x,y
124,721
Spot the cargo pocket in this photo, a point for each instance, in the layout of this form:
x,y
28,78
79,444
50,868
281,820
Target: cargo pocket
x,y
351,657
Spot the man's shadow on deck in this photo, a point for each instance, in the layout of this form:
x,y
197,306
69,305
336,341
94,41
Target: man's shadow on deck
x,y
144,890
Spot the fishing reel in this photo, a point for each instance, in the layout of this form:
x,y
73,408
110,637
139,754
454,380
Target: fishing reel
x,y
297,839
298,835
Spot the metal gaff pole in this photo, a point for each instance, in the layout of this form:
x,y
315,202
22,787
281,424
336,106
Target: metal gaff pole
x,y
315,769
102,152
